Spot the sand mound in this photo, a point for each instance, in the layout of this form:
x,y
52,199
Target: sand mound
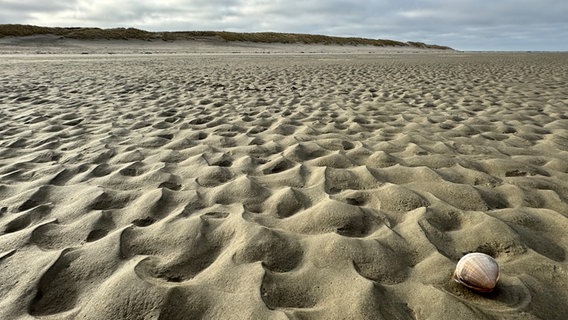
x,y
288,187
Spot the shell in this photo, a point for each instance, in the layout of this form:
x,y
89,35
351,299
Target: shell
x,y
477,271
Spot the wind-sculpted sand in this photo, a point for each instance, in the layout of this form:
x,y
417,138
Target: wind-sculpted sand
x,y
281,186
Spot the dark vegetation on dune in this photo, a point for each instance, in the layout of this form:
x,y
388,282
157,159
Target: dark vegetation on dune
x,y
264,37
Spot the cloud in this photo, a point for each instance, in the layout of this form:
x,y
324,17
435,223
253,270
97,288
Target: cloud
x,y
463,24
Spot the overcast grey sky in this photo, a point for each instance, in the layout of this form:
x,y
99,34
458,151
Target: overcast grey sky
x,y
461,24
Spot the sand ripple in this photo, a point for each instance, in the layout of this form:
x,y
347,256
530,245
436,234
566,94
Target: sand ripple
x,y
288,187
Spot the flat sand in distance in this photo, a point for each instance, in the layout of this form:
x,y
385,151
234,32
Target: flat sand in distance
x,y
314,186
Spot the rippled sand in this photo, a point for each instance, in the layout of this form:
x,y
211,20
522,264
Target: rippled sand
x,y
282,186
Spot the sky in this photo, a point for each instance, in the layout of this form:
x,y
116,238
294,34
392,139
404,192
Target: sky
x,y
517,25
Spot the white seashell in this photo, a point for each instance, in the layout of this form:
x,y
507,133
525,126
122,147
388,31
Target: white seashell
x,y
477,271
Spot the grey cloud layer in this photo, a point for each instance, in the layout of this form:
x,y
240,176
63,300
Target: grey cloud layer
x,y
463,24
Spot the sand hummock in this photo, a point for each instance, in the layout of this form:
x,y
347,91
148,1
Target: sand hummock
x,y
282,186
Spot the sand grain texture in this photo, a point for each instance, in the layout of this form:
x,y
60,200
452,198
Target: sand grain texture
x,y
282,187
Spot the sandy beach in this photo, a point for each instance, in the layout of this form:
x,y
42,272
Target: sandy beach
x,y
281,186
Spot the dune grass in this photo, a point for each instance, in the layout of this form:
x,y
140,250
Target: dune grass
x,y
264,37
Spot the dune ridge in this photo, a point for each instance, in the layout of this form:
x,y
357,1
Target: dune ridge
x,y
18,30
282,187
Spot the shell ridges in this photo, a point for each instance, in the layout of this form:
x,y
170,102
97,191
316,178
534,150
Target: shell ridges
x,y
477,271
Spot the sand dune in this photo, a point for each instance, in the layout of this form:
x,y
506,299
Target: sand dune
x,y
54,44
282,187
